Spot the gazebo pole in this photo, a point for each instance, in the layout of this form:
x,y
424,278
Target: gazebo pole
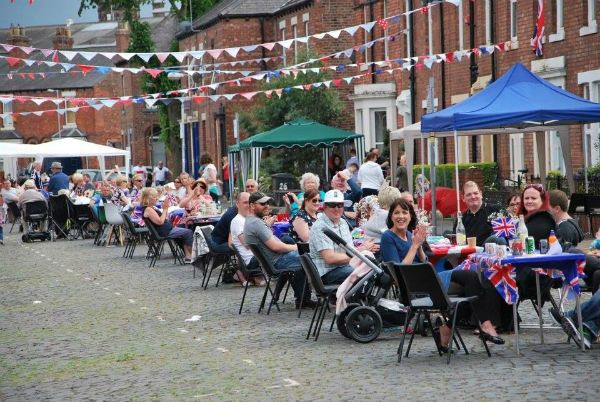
x,y
457,179
421,192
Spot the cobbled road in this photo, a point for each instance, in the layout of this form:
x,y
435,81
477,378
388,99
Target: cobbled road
x,y
78,322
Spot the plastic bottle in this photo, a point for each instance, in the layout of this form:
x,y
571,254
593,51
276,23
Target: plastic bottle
x,y
522,231
461,234
552,238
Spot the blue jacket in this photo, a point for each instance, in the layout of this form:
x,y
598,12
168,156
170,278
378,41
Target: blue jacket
x,y
58,181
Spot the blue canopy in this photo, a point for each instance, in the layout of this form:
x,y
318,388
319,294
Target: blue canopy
x,y
518,99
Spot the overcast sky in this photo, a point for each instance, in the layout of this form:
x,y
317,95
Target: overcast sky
x,y
47,12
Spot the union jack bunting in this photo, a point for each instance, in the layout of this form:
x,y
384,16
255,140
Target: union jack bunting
x,y
504,227
176,217
538,30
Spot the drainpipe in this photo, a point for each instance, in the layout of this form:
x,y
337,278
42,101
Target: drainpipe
x,y
263,64
473,65
492,23
443,83
412,77
371,16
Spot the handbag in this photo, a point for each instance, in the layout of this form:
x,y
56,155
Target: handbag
x,y
199,247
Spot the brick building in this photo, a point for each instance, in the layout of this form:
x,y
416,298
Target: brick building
x,y
234,23
571,60
132,125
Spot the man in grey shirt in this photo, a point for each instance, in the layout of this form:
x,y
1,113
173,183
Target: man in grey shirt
x,y
283,256
330,259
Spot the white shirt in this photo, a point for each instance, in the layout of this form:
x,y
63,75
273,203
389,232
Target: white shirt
x,y
237,228
160,174
370,175
139,170
181,193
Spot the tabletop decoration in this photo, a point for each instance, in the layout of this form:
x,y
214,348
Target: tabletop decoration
x,y
503,225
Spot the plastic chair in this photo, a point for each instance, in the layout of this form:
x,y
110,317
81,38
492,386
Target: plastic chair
x,y
270,273
135,235
322,291
215,259
115,220
425,296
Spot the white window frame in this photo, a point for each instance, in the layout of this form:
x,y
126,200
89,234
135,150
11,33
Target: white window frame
x,y
306,20
7,122
372,113
516,146
555,159
560,22
68,115
364,67
591,131
592,23
514,25
295,36
385,33
282,33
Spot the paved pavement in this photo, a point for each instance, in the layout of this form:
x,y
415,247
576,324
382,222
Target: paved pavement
x,y
78,322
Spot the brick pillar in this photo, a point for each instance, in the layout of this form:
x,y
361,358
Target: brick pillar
x,y
18,36
122,36
63,39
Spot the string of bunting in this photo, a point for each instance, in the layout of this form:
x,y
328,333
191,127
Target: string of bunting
x,y
417,62
231,51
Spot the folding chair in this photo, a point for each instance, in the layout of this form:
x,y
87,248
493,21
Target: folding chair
x,y
16,214
135,235
426,296
592,209
248,274
62,217
215,259
322,291
270,273
303,248
157,244
577,206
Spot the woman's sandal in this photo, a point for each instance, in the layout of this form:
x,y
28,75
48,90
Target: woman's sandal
x,y
438,340
495,339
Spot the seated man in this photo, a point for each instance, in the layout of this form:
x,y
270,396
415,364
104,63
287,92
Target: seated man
x,y
329,258
475,218
251,186
30,194
220,233
283,256
567,228
237,240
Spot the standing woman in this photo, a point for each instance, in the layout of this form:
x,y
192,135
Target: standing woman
x,y
370,175
401,246
306,216
225,177
209,173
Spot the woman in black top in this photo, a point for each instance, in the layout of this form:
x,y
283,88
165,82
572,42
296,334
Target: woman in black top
x,y
306,216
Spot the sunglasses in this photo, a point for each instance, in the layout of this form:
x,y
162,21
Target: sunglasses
x,y
138,180
334,205
315,201
538,186
177,182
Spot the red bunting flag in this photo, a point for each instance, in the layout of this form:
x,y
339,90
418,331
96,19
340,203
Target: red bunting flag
x,y
383,23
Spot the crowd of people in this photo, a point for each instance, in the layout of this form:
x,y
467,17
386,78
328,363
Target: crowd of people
x,y
357,201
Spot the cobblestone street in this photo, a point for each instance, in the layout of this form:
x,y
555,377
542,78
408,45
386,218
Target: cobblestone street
x,y
78,322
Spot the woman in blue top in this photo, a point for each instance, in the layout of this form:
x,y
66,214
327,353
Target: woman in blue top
x,y
401,246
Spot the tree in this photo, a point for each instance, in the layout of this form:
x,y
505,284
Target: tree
x,y
319,104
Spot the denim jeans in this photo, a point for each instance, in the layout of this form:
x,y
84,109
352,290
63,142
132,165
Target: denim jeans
x,y
291,261
219,248
590,313
337,275
1,233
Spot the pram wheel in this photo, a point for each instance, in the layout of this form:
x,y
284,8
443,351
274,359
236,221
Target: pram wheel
x,y
363,324
340,320
25,238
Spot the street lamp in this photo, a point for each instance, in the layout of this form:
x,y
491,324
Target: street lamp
x,y
57,108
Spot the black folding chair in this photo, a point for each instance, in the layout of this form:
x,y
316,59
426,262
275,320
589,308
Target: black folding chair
x,y
592,209
248,274
303,248
270,273
322,291
426,296
135,235
157,244
215,258
63,219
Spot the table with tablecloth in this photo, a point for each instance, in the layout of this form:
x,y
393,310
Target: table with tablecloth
x,y
501,272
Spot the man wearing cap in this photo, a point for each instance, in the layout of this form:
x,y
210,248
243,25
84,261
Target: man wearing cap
x,y
282,255
30,194
59,180
330,259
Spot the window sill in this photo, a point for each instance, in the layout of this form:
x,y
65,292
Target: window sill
x,y
557,37
590,29
514,44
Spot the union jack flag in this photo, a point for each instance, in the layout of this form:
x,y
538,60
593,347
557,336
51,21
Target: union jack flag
x,y
176,217
503,278
504,227
538,30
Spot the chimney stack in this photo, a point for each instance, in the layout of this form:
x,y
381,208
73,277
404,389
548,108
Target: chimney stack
x,y
18,36
122,36
63,39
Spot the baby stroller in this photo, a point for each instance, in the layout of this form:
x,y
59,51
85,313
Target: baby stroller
x,y
35,221
367,312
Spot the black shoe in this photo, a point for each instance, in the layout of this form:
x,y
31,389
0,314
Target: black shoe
x,y
495,339
307,303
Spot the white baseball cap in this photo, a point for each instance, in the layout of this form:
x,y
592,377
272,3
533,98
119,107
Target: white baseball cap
x,y
336,197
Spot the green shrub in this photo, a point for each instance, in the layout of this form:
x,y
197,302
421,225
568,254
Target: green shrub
x,y
445,173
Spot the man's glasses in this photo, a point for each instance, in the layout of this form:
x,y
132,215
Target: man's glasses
x,y
334,205
514,204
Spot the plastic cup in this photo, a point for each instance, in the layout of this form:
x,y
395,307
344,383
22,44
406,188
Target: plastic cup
x,y
471,241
